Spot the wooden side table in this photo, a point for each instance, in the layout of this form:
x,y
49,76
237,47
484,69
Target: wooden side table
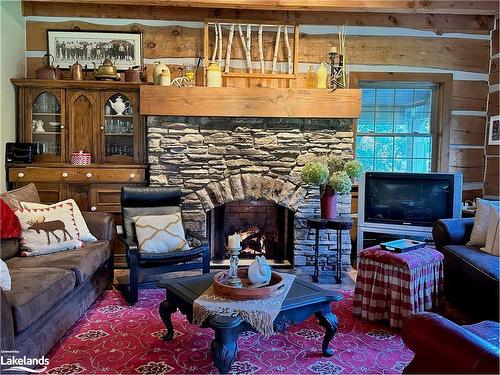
x,y
338,224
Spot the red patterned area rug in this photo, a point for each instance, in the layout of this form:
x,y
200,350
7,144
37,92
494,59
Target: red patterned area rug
x,y
112,338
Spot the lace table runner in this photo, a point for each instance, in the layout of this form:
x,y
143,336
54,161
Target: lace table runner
x,y
259,313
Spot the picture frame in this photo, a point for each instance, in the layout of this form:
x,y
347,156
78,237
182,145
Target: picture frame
x,y
88,47
494,130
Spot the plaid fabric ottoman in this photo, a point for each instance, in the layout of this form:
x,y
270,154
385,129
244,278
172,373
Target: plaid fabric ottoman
x,y
391,286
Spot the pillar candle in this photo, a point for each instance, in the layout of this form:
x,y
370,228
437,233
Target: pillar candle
x,y
233,242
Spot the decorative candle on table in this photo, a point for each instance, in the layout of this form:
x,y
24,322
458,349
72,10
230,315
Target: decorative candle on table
x,y
234,247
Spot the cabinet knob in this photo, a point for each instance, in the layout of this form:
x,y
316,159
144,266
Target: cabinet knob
x,y
20,175
88,175
65,174
131,176
93,208
102,127
62,126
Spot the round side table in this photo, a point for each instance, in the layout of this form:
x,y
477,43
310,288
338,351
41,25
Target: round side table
x,y
338,224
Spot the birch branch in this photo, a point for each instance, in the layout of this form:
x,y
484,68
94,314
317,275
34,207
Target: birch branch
x,y
261,51
244,44
220,45
216,42
289,51
249,48
276,48
229,46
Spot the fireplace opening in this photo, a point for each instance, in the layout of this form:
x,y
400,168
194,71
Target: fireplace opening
x,y
266,228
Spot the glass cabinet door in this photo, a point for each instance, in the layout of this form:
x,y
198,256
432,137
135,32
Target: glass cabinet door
x,y
119,115
47,126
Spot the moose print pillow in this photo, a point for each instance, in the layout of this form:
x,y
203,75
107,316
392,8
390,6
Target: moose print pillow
x,y
48,230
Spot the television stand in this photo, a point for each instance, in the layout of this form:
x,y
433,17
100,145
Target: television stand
x,y
425,232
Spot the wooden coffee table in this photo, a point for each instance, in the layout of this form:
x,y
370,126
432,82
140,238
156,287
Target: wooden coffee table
x,y
303,300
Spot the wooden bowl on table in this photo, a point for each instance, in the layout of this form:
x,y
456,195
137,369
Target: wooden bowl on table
x,y
247,292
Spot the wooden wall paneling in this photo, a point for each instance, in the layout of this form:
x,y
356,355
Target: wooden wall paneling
x,y
489,7
491,183
467,130
470,174
493,104
495,40
466,158
470,95
470,55
494,77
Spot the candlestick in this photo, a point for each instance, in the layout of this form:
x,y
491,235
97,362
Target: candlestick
x,y
233,279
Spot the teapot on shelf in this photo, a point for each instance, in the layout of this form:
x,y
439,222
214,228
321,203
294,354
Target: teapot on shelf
x,y
136,73
106,71
48,71
119,106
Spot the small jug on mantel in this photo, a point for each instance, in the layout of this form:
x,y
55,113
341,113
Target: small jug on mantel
x,y
214,75
322,74
158,68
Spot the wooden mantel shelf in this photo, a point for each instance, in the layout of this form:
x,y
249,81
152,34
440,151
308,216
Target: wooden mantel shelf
x,y
250,102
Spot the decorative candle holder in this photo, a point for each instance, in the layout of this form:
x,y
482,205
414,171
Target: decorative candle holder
x,y
233,279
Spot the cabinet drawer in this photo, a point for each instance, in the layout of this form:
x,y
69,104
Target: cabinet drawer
x,y
105,198
86,175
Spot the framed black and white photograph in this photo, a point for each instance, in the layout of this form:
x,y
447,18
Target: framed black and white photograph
x,y
494,131
87,47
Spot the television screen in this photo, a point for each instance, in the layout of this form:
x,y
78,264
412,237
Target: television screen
x,y
408,198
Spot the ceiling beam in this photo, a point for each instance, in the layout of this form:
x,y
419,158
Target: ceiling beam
x,y
438,23
478,7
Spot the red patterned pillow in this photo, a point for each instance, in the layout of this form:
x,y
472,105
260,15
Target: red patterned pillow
x,y
9,223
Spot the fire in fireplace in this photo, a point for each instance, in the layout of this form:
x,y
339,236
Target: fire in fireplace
x,y
266,228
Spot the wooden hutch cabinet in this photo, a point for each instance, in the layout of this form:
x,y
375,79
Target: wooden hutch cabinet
x,y
63,117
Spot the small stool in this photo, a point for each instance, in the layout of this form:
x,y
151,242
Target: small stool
x,y
391,286
339,224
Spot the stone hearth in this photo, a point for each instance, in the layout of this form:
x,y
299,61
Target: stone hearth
x,y
220,160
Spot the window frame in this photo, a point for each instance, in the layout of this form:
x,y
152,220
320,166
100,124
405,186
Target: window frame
x,y
441,101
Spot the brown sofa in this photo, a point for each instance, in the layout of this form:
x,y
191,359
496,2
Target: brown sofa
x,y
51,292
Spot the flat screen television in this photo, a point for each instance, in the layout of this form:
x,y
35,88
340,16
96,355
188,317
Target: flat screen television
x,y
409,199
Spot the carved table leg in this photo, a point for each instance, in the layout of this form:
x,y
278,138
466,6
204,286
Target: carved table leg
x,y
166,310
330,322
224,348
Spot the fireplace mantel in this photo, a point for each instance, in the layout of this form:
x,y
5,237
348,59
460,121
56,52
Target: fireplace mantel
x,y
250,102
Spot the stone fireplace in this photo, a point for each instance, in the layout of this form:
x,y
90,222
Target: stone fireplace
x,y
227,166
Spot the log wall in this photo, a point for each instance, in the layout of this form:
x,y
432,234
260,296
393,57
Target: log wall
x,y
372,46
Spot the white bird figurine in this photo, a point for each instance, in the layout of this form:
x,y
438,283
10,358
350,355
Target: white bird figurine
x,y
259,271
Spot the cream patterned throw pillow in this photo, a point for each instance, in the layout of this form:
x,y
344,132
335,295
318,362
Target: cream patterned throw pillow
x,y
5,280
481,221
81,225
493,235
160,233
48,230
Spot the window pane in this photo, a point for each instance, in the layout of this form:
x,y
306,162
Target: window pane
x,y
421,165
383,147
383,165
366,122
383,122
367,163
402,147
385,100
404,99
422,122
368,99
402,165
423,100
402,122
365,146
422,147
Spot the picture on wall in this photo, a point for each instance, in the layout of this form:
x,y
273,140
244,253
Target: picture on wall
x,y
87,47
494,132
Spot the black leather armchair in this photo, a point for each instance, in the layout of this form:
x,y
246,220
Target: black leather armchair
x,y
140,201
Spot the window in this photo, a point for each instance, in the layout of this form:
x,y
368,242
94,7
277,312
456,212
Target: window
x,y
397,126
